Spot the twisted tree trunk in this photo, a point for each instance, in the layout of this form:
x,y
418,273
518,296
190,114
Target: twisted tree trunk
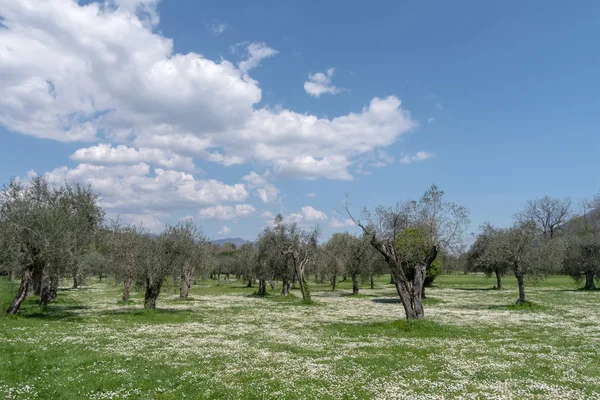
x,y
262,287
152,292
26,282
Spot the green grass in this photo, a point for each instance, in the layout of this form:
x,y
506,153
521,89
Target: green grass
x,y
226,342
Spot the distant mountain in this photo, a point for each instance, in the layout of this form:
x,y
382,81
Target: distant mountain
x,y
237,241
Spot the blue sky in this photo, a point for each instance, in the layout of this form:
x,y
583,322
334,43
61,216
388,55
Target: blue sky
x,y
499,99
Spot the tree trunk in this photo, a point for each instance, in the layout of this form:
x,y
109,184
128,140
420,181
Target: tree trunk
x,y
354,284
333,282
11,275
418,286
304,287
49,287
272,284
228,277
75,283
26,282
344,277
521,289
218,278
285,289
249,284
589,281
187,278
392,279
126,289
293,281
152,292
372,279
38,272
100,280
498,280
262,287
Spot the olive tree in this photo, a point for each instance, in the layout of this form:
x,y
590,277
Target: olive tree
x,y
47,231
475,260
352,253
547,214
442,223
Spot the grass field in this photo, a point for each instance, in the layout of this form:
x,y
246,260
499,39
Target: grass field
x,y
227,343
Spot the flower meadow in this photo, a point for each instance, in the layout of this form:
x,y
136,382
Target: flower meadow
x,y
224,342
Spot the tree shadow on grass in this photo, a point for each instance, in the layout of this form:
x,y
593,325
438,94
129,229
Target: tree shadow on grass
x,y
493,288
55,312
387,301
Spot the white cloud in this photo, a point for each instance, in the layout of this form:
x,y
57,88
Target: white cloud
x,y
148,222
320,83
105,154
224,231
266,191
419,156
335,223
306,214
267,215
216,28
256,53
133,187
72,72
227,212
430,120
312,194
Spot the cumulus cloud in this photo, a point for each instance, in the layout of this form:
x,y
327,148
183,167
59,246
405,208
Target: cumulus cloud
x,y
227,212
106,154
103,72
430,120
266,191
335,223
128,188
224,231
419,156
320,83
306,214
312,194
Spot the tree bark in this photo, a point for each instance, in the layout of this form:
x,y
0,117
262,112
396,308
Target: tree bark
x,y
187,279
126,289
272,284
38,271
75,283
49,287
392,279
11,275
285,289
333,282
521,283
354,284
589,281
498,280
152,292
262,287
26,282
372,279
249,284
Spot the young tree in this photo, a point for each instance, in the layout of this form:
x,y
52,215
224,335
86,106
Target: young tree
x,y
443,223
